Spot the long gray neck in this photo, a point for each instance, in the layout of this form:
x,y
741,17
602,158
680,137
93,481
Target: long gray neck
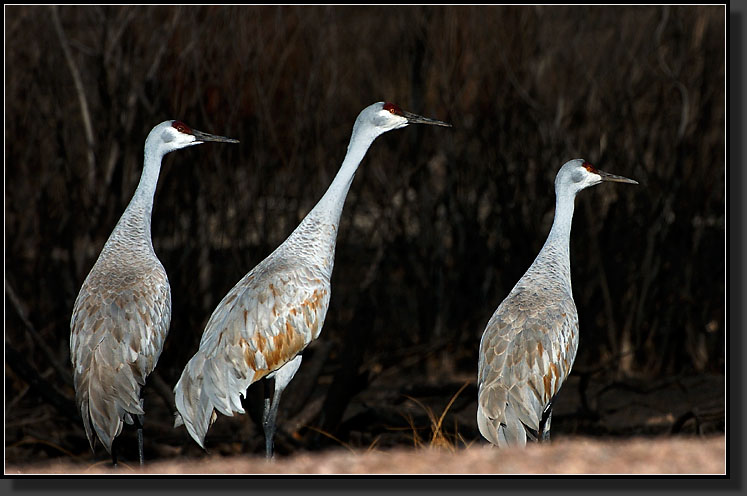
x,y
555,254
133,228
315,237
329,207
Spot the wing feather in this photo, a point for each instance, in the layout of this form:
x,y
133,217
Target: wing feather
x,y
269,317
118,328
526,353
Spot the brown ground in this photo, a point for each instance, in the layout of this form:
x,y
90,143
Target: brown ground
x,y
672,455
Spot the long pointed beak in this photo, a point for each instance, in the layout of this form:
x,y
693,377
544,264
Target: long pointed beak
x,y
419,119
201,137
606,176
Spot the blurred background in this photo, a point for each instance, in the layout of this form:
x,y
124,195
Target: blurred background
x,y
438,226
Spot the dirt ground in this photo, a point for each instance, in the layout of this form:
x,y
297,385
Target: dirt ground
x,y
678,455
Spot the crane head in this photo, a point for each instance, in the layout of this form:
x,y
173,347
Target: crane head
x,y
579,174
173,135
383,117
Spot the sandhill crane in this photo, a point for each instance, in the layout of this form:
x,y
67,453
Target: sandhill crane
x,y
530,342
263,324
122,313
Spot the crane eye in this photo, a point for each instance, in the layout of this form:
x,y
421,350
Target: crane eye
x,y
393,108
181,127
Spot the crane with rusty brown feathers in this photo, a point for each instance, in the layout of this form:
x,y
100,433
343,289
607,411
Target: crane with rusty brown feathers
x,y
263,324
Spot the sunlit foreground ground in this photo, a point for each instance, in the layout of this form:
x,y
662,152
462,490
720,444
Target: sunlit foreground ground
x,y
701,455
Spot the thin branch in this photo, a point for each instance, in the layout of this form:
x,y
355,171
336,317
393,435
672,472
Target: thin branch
x,y
85,114
64,373
20,366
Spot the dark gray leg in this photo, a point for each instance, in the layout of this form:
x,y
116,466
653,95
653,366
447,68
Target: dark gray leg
x,y
276,383
139,421
139,424
544,428
269,416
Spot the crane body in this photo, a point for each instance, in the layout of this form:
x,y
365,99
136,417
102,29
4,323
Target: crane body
x,y
261,327
529,344
122,313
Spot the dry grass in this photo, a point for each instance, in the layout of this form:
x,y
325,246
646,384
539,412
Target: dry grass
x,y
569,456
439,438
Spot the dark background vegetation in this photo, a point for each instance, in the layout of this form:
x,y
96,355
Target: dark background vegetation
x,y
438,225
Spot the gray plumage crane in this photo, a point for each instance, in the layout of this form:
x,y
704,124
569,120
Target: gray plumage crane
x,y
122,313
530,342
263,324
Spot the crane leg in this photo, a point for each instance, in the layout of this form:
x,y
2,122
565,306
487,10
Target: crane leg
x,y
544,428
280,380
139,421
139,424
268,417
114,454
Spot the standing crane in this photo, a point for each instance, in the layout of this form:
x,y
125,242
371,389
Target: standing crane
x,y
263,324
122,313
530,342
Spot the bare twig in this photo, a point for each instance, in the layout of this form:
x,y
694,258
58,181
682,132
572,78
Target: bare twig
x,y
14,359
620,343
85,114
63,372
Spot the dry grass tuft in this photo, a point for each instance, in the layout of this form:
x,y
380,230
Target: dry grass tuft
x,y
440,439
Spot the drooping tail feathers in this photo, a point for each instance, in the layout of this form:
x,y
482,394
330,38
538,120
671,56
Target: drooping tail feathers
x,y
207,386
106,397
